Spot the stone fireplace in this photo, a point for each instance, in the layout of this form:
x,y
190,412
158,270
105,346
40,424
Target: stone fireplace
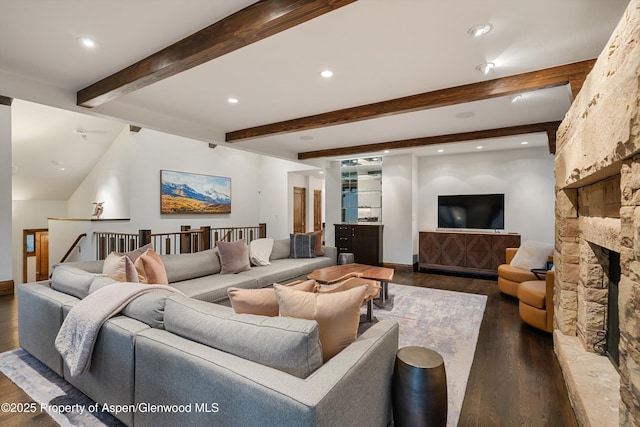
x,y
597,172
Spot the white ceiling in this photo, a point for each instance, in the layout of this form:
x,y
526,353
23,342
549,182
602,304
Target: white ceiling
x,y
377,49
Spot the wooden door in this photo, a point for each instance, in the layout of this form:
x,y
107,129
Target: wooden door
x,y
35,254
299,209
42,255
317,210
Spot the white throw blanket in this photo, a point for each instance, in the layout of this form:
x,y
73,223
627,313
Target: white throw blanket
x,y
79,330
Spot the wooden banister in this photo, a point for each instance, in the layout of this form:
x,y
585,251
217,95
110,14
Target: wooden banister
x,y
73,246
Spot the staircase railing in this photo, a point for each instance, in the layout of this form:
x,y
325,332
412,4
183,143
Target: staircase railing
x,y
73,246
186,240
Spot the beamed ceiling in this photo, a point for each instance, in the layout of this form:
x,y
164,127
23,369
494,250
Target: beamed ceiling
x,y
405,77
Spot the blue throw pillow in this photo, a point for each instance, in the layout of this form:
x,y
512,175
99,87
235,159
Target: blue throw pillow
x,y
302,246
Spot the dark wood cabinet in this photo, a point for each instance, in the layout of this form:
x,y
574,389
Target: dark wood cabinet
x,y
466,252
364,241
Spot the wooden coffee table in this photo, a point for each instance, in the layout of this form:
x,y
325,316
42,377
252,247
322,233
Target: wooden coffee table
x,y
338,273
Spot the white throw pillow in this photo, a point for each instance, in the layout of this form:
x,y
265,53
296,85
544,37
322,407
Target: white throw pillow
x,y
260,251
532,254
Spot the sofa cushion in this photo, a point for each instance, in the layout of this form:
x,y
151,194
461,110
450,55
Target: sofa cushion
x,y
150,268
338,315
213,288
73,281
281,249
189,266
148,308
262,301
533,293
302,246
234,256
260,251
290,345
515,274
532,254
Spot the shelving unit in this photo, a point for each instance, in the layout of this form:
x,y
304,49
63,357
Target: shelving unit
x,y
362,190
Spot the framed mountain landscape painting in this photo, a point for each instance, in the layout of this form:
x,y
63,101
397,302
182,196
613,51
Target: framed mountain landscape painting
x,y
191,193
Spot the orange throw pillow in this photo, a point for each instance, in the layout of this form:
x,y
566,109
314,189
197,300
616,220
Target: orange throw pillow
x,y
150,269
262,301
337,314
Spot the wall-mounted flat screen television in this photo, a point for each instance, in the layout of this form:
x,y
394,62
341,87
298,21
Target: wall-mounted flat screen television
x,y
481,211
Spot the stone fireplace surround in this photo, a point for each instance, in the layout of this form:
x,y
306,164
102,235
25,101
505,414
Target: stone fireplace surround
x,y
597,171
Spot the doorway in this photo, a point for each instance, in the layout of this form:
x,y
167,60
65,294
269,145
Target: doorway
x,y
299,209
35,255
317,210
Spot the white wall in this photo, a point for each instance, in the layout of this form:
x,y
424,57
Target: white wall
x,y
277,178
127,178
5,193
525,176
29,214
398,211
332,198
107,182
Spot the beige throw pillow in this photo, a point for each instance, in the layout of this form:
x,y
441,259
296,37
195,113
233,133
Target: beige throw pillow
x,y
150,268
234,256
532,254
120,267
262,301
337,314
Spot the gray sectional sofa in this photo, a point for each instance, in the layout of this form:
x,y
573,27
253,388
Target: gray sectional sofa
x,y
223,368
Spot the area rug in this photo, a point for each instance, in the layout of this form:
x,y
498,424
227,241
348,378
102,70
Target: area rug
x,y
447,322
52,394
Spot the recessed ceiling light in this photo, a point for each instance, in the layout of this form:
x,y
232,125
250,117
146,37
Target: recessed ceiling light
x,y
326,74
87,42
465,115
441,151
232,100
485,67
321,172
479,30
386,151
479,147
516,98
524,142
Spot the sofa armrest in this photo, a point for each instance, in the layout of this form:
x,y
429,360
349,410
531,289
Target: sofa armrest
x,y
353,388
510,253
332,253
40,315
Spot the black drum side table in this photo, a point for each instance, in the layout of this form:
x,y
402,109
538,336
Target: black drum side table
x,y
419,388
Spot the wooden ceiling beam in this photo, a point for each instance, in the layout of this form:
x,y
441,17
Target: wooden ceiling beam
x,y
249,25
5,100
573,74
549,127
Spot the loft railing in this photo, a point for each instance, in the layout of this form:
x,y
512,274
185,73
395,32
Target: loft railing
x,y
186,240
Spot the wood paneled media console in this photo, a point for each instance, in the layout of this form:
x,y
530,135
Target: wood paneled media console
x,y
471,252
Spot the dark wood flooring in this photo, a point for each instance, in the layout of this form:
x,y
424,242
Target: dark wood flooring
x,y
515,379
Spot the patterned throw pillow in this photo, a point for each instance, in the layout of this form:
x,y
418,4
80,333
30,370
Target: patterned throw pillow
x,y
302,246
319,249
